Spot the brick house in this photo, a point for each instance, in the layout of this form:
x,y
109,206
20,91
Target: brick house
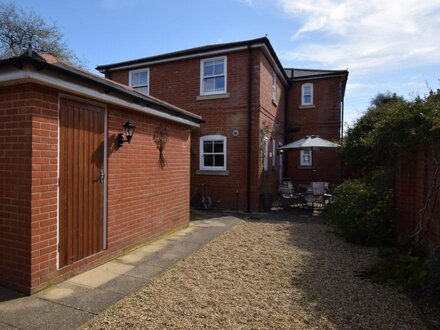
x,y
315,108
251,106
70,196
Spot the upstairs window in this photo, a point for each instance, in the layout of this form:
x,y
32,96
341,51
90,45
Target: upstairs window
x,y
140,80
274,87
307,94
213,76
305,158
213,153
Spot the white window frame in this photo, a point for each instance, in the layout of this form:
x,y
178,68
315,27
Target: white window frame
x,y
274,150
201,152
301,158
303,87
265,153
274,86
202,75
143,85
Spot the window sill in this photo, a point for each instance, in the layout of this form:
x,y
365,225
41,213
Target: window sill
x,y
217,173
312,106
212,97
305,167
275,103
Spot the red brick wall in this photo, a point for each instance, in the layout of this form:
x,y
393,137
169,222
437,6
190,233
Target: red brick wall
x,y
178,82
144,200
324,119
271,113
15,185
414,179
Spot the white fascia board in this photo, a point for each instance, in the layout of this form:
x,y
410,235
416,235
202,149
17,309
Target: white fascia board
x,y
319,77
26,75
211,53
176,58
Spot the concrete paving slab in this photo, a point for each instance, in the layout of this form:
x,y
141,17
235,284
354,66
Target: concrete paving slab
x,y
34,313
124,284
93,278
115,267
80,297
146,271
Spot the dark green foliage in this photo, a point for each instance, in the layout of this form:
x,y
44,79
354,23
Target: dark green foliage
x,y
362,212
402,271
389,128
432,284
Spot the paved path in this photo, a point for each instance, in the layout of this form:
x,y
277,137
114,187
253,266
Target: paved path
x,y
75,301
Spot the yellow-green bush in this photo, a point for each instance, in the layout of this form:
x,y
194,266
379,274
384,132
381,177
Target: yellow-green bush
x,y
361,213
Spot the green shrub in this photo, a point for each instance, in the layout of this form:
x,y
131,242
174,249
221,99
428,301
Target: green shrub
x,y
432,285
402,272
361,213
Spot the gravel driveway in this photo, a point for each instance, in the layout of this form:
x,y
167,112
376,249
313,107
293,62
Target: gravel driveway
x,y
266,274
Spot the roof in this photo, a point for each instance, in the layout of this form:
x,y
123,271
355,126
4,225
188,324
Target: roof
x,y
49,63
198,51
294,74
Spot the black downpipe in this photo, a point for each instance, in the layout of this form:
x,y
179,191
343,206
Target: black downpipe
x,y
286,128
249,146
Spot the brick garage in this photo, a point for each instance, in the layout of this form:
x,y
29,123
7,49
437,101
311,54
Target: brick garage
x,y
141,199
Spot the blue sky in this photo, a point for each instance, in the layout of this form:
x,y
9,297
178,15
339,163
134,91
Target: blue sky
x,y
387,45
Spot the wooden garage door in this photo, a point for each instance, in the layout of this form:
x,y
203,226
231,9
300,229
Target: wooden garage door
x,y
81,180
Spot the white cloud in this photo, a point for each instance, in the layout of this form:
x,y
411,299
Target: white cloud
x,y
365,35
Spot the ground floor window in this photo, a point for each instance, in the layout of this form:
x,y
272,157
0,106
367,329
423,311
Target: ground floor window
x,y
213,153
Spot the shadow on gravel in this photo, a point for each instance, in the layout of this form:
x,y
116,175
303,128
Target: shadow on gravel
x,y
326,280
329,282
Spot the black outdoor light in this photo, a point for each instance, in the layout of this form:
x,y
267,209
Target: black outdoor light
x,y
127,135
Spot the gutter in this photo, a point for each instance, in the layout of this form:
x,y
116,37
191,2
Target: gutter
x,y
138,103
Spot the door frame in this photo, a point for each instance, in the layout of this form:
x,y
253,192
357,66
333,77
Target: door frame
x,y
104,204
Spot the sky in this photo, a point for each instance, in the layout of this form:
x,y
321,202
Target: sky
x,y
387,45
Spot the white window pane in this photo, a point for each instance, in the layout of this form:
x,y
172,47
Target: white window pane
x,y
209,85
208,69
218,146
219,67
219,160
219,84
143,78
135,79
207,146
209,160
142,89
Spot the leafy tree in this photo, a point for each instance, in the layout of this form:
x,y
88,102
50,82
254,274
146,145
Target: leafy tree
x,y
383,98
19,29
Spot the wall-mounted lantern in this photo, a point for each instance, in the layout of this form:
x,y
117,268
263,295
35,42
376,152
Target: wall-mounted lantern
x,y
127,135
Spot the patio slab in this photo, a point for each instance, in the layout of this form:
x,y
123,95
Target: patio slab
x,y
70,304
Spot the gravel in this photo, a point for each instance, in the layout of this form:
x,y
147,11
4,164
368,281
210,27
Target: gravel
x,y
267,275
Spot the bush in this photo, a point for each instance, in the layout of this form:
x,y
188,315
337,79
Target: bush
x,y
362,213
402,272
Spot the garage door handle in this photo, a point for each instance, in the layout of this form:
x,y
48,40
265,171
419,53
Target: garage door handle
x,y
101,177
